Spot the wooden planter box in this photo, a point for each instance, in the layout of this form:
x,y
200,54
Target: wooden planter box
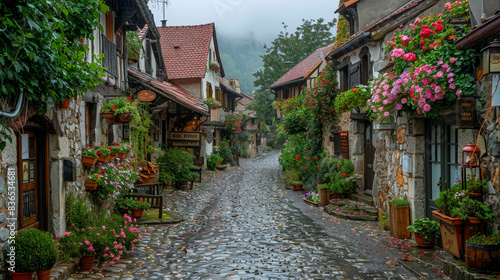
x,y
89,161
90,186
455,232
324,196
399,218
451,233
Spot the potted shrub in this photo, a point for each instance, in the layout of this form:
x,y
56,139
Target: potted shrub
x,y
425,232
482,253
179,164
35,250
476,188
213,160
399,217
136,206
339,175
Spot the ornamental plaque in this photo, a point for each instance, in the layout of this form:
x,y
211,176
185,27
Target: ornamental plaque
x,y
146,95
466,112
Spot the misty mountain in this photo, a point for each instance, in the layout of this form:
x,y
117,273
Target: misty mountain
x,y
240,59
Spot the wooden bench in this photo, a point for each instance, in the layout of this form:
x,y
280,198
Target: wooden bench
x,y
149,193
197,169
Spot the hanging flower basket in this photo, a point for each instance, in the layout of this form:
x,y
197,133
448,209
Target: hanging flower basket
x,y
123,118
90,186
110,118
122,155
89,161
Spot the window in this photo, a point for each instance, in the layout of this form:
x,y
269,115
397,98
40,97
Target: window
x,y
366,67
149,68
209,91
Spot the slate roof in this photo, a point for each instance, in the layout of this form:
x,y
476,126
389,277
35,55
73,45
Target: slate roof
x,y
170,91
303,69
185,50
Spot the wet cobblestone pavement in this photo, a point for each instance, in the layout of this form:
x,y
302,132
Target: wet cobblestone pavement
x,y
243,224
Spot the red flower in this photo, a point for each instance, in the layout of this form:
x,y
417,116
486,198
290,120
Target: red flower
x,y
98,153
305,152
315,157
97,175
116,144
297,157
343,174
354,89
307,159
305,167
129,99
113,107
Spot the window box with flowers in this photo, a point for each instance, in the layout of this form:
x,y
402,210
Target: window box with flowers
x,y
120,110
429,72
213,103
121,150
92,181
95,154
214,67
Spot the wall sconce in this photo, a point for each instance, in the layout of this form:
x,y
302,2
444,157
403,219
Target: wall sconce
x,y
491,58
470,156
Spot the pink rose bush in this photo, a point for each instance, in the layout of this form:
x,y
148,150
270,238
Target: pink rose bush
x,y
429,71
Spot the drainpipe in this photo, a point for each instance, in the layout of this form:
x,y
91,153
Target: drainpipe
x,y
16,111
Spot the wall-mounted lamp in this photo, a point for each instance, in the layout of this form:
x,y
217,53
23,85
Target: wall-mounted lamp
x,y
491,58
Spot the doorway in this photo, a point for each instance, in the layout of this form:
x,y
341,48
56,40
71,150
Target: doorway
x,y
442,168
32,147
369,156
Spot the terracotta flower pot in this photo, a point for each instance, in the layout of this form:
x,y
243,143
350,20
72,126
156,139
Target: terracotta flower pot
x,y
86,262
21,275
43,274
136,213
89,161
421,241
64,104
103,159
297,188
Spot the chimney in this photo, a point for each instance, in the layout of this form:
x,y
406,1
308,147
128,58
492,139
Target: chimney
x,y
235,84
163,23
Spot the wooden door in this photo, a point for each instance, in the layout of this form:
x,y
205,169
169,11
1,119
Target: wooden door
x,y
28,179
442,169
369,154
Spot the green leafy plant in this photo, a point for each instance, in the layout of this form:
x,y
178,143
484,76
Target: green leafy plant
x,y
400,201
213,160
134,44
226,152
384,222
35,250
340,176
213,103
179,164
425,227
354,98
136,204
120,105
311,196
476,186
481,239
468,207
139,134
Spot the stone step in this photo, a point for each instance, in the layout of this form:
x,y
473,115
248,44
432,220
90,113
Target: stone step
x,y
362,198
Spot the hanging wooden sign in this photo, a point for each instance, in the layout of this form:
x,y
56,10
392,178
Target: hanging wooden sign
x,y
344,144
185,139
466,112
146,95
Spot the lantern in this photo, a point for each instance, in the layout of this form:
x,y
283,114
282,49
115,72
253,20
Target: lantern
x,y
470,156
491,58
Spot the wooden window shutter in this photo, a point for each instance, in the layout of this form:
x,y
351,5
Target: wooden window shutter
x,y
110,26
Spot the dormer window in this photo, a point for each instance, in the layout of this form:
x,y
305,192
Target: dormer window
x,y
349,11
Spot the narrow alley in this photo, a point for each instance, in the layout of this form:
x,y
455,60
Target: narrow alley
x,y
243,224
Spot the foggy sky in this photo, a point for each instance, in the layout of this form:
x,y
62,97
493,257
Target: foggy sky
x,y
241,18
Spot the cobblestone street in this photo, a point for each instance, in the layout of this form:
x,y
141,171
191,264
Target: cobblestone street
x,y
243,224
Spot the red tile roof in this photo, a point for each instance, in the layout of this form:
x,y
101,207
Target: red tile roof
x,y
143,31
185,49
302,70
171,91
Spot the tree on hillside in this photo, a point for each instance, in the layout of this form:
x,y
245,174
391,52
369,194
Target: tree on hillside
x,y
287,50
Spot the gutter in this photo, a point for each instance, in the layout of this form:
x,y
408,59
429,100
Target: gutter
x,y
16,111
483,31
351,45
